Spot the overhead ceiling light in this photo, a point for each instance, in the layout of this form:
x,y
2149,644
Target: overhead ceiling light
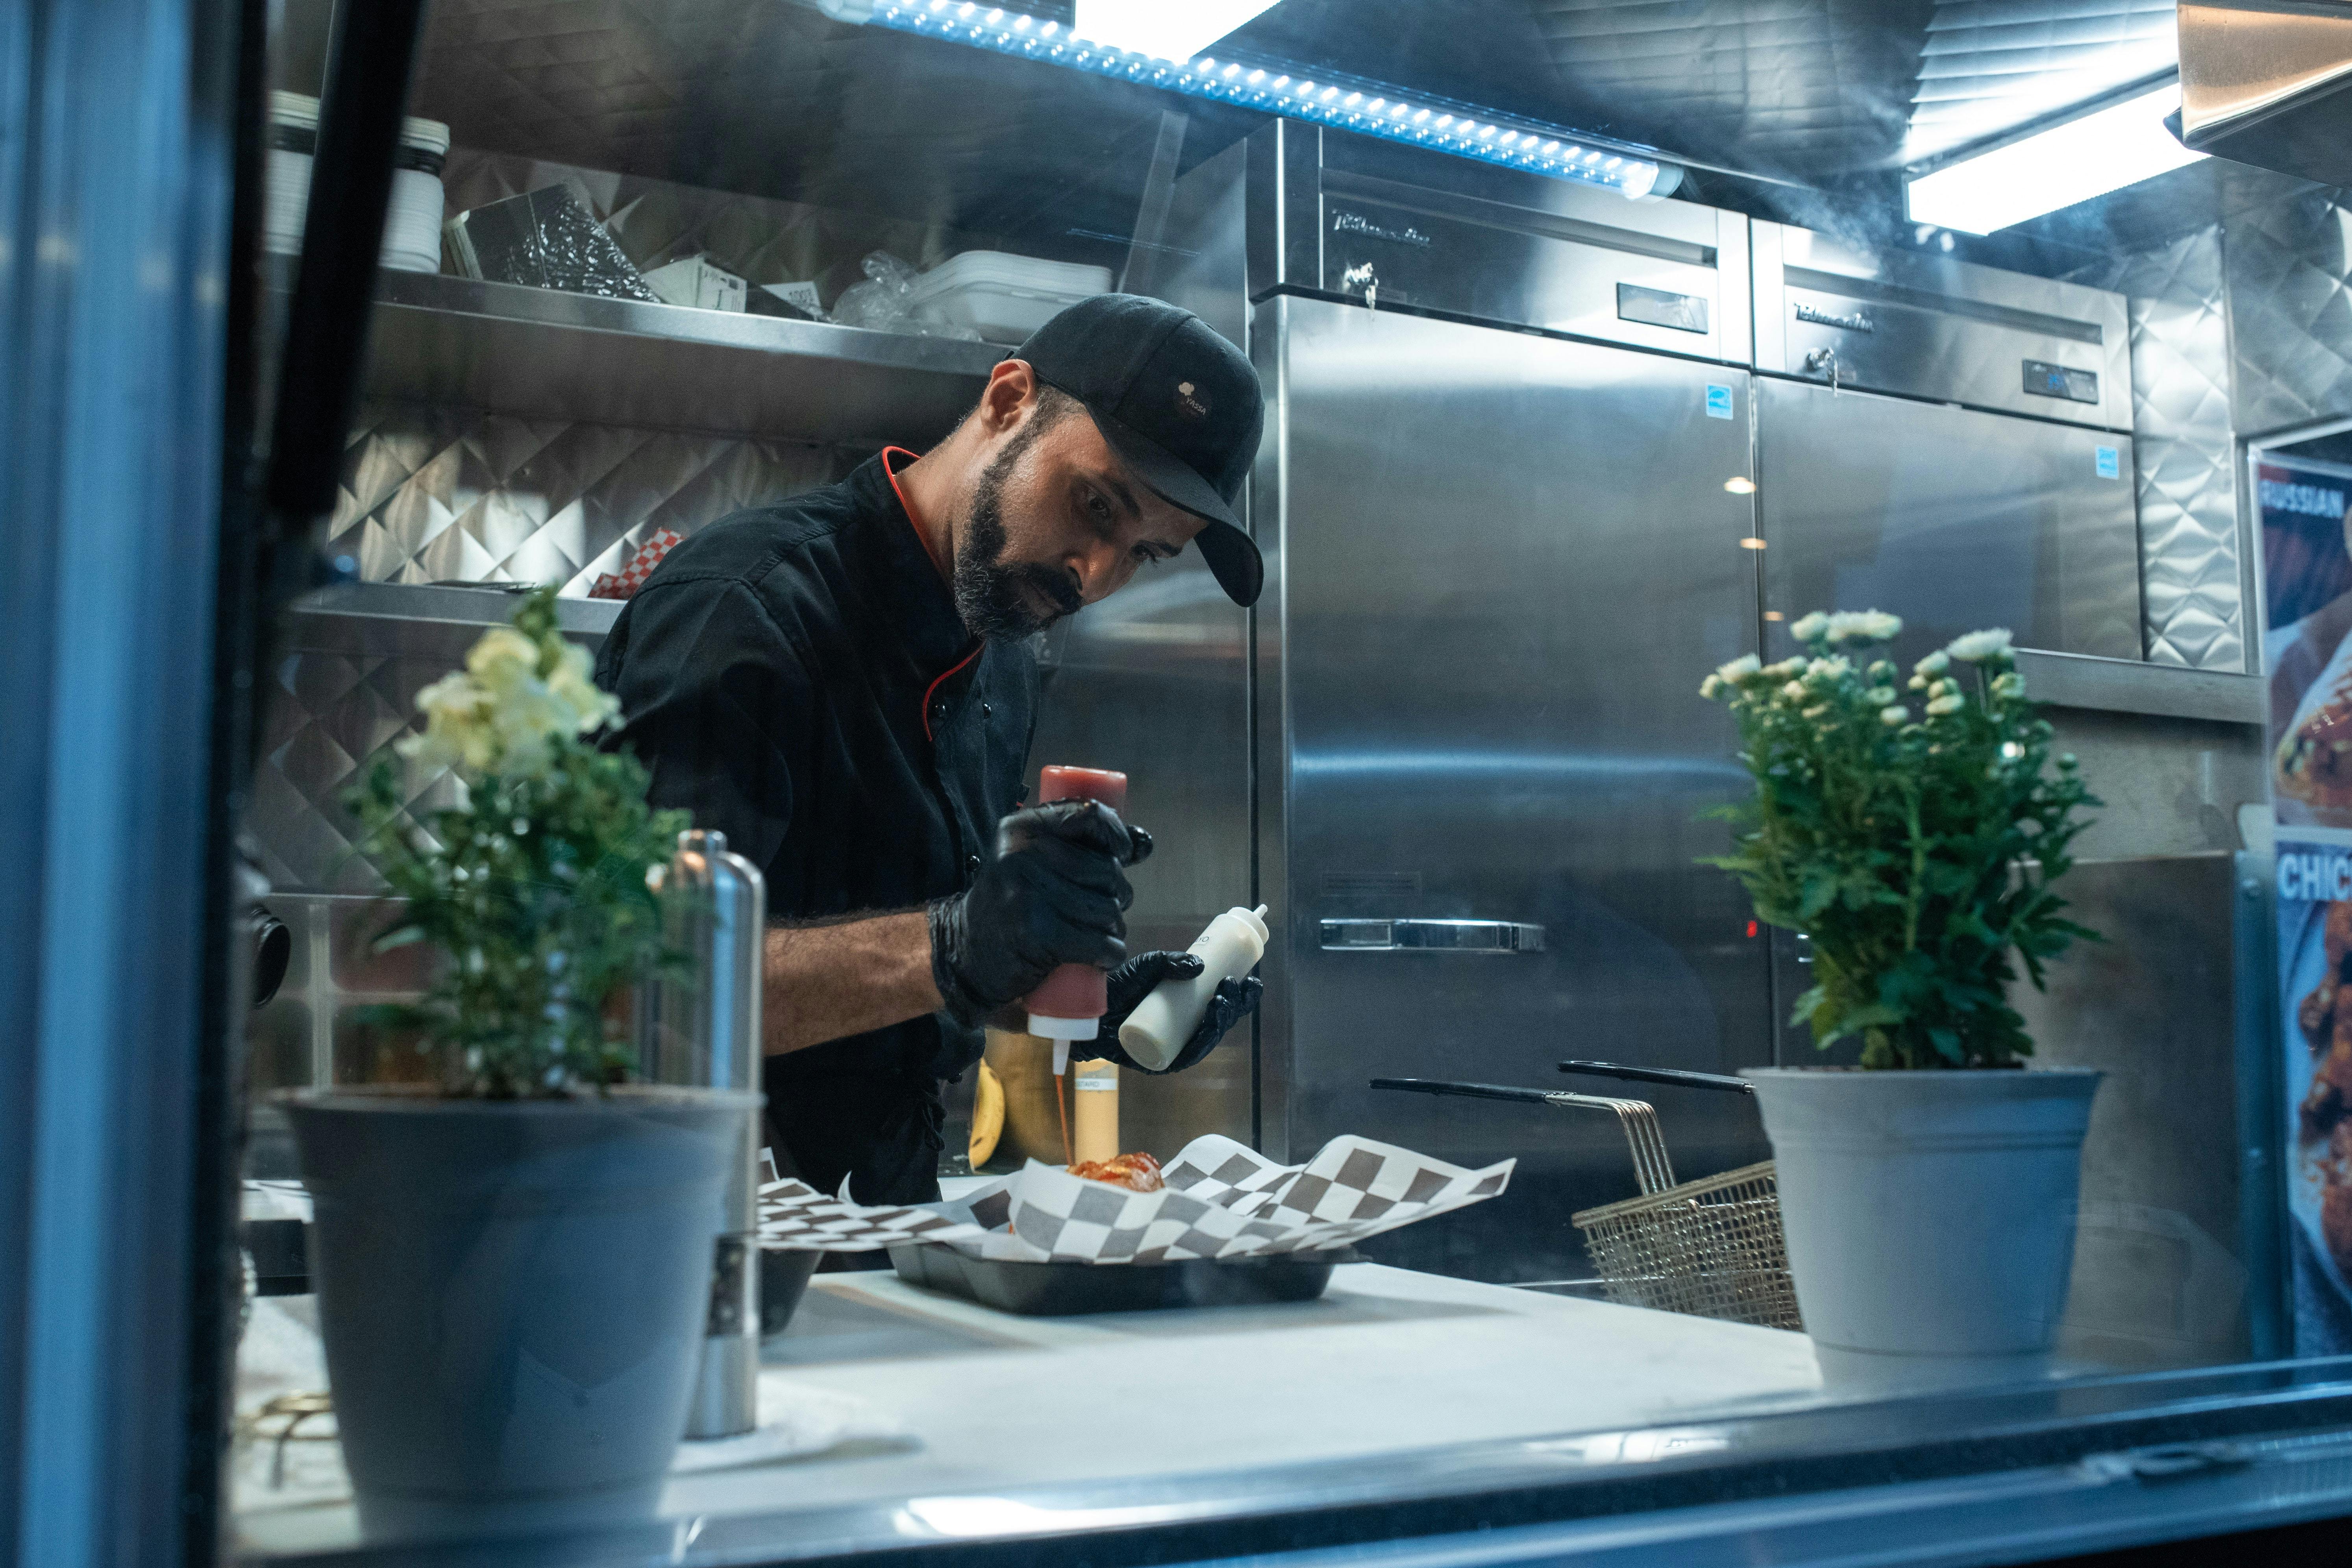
x,y
1164,29
1344,103
2103,150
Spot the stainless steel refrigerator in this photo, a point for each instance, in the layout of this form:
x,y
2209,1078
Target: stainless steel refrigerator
x,y
1501,554
1505,562
1945,441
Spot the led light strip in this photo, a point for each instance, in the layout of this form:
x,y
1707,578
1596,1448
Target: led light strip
x,y
1342,103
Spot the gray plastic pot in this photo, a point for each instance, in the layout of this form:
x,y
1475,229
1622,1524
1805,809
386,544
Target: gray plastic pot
x,y
511,1295
1930,1216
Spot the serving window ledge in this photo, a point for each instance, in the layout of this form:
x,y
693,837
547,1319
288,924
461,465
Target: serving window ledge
x,y
1406,1406
2129,685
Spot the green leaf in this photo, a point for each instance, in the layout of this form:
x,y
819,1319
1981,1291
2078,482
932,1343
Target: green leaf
x,y
398,936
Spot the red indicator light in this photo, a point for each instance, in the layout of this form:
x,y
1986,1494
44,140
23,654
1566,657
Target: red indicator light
x,y
1751,929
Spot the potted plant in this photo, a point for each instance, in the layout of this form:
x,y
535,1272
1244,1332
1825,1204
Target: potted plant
x,y
512,1262
1914,828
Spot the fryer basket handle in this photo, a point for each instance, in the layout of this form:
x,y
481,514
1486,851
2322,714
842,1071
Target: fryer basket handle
x,y
1675,1076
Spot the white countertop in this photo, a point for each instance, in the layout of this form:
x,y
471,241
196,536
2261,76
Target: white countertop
x,y
1386,1362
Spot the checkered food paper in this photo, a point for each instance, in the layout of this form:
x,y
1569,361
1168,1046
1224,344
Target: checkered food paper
x,y
632,577
796,1218
1222,1201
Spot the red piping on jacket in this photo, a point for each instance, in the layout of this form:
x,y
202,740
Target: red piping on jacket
x,y
888,452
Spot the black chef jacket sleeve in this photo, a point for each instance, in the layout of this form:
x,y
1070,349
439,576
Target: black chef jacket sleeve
x,y
714,698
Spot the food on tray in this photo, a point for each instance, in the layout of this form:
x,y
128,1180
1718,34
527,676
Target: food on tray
x,y
2316,1015
1137,1173
2329,1098
2326,1111
2335,1195
2314,761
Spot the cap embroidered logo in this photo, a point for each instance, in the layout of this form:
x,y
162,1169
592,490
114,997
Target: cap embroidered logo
x,y
1190,403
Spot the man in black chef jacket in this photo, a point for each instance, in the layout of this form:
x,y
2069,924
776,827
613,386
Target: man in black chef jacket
x,y
842,685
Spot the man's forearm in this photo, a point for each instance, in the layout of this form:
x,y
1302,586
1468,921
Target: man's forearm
x,y
827,981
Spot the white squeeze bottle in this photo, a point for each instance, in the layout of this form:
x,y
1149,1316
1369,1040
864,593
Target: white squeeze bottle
x,y
1159,1027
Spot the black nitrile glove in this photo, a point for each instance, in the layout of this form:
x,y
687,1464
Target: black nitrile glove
x,y
1127,985
1053,894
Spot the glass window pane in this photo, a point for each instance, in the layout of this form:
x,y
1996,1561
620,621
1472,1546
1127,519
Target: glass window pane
x,y
1340,447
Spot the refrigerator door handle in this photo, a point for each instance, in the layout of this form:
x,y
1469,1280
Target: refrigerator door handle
x,y
1431,936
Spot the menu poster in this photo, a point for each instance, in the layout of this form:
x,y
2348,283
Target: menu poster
x,y
2315,929
2308,649
2308,642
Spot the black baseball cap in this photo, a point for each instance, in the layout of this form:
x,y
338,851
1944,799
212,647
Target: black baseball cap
x,y
1179,406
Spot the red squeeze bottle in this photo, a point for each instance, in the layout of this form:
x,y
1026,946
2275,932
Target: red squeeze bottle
x,y
1069,1005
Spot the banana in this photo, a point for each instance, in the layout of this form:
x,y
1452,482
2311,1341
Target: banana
x,y
987,1116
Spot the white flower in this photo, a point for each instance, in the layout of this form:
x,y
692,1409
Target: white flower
x,y
1711,687
1863,626
2009,684
455,731
1815,711
1785,669
1943,705
1879,695
1891,717
1810,627
1793,692
498,713
574,684
501,659
527,720
432,749
1918,683
452,702
1740,669
1934,664
1976,646
1826,670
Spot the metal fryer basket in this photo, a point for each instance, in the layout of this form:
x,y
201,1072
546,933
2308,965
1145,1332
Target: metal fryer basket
x,y
1713,1248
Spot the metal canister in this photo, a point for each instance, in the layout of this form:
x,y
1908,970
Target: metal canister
x,y
701,1027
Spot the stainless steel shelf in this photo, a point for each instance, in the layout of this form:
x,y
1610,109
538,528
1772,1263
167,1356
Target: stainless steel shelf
x,y
553,355
400,620
2126,685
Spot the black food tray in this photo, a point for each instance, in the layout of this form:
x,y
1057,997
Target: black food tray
x,y
1066,1290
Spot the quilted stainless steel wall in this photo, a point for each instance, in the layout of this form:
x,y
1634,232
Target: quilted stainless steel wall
x,y
2193,603
2238,329
458,494
455,495
2290,316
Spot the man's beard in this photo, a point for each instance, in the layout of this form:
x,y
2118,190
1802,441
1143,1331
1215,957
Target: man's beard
x,y
988,588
